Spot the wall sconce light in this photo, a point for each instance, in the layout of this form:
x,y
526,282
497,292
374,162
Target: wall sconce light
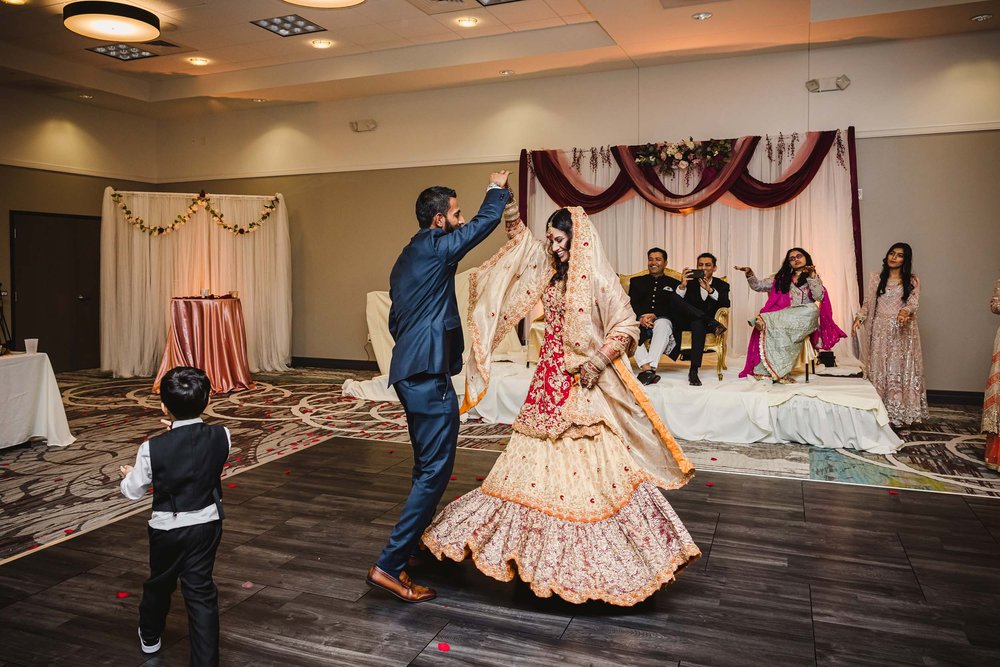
x,y
113,21
828,83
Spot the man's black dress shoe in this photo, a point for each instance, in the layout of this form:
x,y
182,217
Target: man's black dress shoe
x,y
694,380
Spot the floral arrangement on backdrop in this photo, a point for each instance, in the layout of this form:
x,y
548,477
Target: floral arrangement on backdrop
x,y
685,156
199,201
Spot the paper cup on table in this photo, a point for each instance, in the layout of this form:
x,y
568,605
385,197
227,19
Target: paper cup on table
x,y
206,292
31,345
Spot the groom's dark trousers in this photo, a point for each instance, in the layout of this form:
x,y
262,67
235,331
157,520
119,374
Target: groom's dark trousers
x,y
427,330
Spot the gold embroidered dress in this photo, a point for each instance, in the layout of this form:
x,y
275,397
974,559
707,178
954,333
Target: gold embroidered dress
x,y
572,502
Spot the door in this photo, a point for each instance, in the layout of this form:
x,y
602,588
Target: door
x,y
56,272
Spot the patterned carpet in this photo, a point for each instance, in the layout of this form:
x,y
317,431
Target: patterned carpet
x,y
49,494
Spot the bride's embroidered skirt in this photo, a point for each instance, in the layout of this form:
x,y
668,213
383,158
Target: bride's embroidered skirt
x,y
571,516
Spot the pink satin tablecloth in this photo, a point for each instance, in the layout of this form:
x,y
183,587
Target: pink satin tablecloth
x,y
208,334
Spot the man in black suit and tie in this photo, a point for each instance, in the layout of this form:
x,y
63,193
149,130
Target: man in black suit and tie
x,y
425,325
663,315
711,293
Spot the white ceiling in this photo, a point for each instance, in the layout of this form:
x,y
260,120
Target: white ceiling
x,y
389,46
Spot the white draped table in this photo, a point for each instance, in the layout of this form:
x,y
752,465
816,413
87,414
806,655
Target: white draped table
x,y
30,402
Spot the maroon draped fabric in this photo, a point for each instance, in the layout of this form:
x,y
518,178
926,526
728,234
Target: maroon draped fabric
x,y
759,194
522,184
648,185
856,211
549,173
736,179
708,175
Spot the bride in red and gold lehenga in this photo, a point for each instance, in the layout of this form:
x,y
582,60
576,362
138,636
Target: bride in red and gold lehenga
x,y
572,503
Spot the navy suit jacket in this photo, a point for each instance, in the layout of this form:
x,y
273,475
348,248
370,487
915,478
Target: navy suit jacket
x,y
423,318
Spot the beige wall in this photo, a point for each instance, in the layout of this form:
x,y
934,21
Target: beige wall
x,y
939,194
39,191
347,229
922,86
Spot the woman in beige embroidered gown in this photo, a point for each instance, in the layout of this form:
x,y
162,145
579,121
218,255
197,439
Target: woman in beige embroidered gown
x,y
890,341
572,505
991,404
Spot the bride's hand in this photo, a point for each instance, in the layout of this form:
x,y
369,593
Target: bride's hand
x,y
745,269
589,375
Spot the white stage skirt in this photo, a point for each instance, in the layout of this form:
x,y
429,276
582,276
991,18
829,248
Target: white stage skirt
x,y
837,412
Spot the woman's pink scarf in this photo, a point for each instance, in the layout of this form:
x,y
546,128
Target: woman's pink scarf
x,y
824,338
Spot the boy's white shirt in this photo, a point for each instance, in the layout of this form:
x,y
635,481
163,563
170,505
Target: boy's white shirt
x,y
135,485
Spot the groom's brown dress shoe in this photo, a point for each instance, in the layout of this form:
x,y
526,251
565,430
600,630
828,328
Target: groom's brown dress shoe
x,y
402,588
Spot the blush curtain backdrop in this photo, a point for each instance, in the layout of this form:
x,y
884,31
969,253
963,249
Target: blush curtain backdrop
x,y
140,273
766,200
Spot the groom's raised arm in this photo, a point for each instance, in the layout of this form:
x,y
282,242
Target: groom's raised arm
x,y
454,246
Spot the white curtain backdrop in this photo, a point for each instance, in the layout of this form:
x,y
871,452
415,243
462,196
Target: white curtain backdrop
x,y
140,273
819,220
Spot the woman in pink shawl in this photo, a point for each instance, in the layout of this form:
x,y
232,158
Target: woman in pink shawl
x,y
571,505
797,306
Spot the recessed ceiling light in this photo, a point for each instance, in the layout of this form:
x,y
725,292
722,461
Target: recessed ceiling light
x,y
507,72
14,2
200,62
288,26
702,16
979,18
325,4
82,96
467,21
321,43
111,20
122,51
259,100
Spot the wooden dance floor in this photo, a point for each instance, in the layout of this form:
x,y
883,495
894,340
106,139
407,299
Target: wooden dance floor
x,y
793,573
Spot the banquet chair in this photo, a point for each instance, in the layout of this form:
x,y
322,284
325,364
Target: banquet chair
x,y
808,356
717,345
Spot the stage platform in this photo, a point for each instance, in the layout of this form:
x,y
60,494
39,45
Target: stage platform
x,y
828,411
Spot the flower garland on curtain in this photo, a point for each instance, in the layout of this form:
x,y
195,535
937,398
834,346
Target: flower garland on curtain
x,y
685,155
201,200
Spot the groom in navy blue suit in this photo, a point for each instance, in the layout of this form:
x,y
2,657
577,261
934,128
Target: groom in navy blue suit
x,y
424,322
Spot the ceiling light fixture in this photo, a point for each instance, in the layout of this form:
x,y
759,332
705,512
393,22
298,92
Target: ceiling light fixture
x,y
111,20
321,43
467,21
14,2
200,62
122,51
979,18
507,72
288,26
259,100
702,16
85,96
325,4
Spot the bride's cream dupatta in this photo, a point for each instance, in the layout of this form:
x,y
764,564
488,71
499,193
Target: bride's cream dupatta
x,y
505,288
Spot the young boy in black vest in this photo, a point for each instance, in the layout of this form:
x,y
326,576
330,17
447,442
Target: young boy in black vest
x,y
183,467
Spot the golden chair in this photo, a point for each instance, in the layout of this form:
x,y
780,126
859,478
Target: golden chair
x,y
713,343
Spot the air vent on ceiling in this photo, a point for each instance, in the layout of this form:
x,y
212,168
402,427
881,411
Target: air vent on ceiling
x,y
685,4
445,6
123,51
289,25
